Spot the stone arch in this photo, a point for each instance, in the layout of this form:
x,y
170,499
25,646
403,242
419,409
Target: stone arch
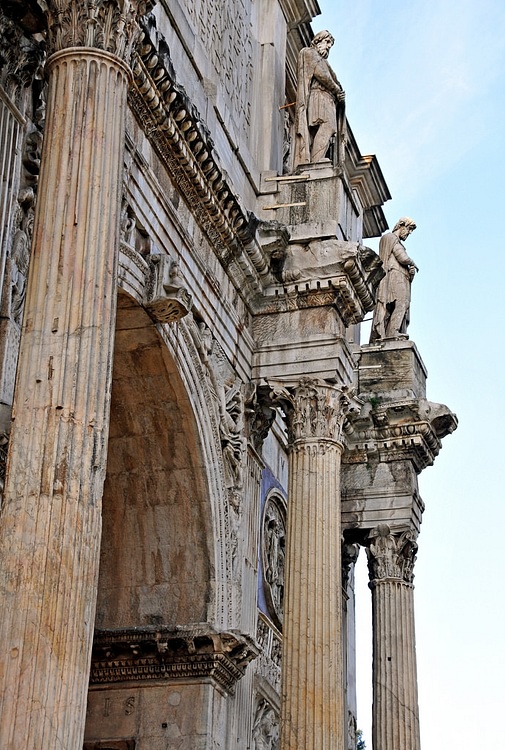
x,y
163,558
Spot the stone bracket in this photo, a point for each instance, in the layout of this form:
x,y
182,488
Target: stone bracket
x,y
167,300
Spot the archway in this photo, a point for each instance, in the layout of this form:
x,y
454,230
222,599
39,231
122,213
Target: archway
x,y
155,566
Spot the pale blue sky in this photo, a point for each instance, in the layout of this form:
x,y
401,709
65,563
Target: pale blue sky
x,y
425,86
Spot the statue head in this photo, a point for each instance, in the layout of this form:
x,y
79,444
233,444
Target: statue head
x,y
404,227
323,41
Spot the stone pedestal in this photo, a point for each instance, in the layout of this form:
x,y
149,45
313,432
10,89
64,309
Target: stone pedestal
x,y
312,693
51,519
395,701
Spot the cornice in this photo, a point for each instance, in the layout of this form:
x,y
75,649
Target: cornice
x,y
396,432
349,285
154,654
174,128
365,176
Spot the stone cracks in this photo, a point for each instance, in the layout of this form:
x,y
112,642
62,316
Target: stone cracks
x,y
147,654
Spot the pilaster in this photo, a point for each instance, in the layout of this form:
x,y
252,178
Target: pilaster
x,y
312,692
391,557
51,518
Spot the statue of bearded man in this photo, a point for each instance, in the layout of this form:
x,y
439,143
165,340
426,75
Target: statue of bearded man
x,y
320,111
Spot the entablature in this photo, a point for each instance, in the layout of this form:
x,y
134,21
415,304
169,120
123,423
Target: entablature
x,y
187,653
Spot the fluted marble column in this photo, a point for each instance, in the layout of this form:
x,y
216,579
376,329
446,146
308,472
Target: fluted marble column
x,y
391,559
312,693
51,519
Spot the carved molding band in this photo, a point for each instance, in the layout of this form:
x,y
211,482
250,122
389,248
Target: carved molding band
x,y
314,409
108,25
159,654
391,555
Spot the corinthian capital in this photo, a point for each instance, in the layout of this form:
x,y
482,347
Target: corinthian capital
x,y
314,409
391,555
109,25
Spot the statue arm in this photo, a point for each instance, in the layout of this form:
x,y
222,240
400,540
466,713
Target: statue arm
x,y
402,257
325,75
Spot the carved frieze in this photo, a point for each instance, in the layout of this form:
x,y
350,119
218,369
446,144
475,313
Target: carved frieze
x,y
391,554
160,654
273,551
314,409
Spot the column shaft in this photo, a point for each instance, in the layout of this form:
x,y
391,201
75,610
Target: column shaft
x,y
312,706
51,518
395,703
395,700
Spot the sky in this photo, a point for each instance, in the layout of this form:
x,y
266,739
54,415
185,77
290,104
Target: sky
x,y
425,92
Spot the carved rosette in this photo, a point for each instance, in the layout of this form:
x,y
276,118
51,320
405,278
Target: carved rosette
x,y
391,555
107,25
314,410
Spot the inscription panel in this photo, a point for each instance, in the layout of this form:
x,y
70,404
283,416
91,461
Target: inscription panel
x,y
225,30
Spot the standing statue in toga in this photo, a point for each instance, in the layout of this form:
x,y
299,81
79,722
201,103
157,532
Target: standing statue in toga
x,y
391,315
320,109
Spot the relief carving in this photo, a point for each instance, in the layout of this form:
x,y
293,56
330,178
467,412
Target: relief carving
x,y
273,552
21,57
16,268
266,727
391,555
233,442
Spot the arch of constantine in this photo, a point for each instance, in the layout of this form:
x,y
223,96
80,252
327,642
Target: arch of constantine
x,y
195,444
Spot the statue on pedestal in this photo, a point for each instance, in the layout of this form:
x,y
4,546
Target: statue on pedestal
x,y
320,111
392,312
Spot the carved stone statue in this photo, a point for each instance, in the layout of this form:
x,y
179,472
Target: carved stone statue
x,y
320,101
391,315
